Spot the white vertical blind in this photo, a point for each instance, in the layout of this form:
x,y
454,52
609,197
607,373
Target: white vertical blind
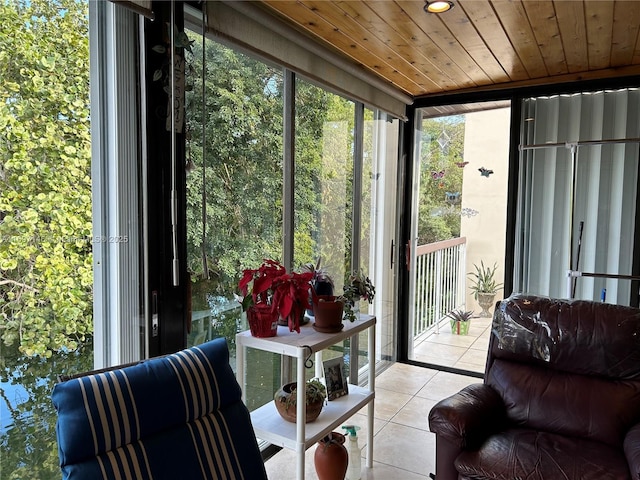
x,y
141,7
114,171
592,137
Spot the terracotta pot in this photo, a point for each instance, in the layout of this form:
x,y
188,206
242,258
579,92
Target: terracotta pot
x,y
331,458
287,404
320,288
263,321
328,314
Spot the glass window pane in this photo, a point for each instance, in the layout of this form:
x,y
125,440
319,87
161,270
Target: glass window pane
x,y
323,180
234,194
460,198
323,184
577,201
46,238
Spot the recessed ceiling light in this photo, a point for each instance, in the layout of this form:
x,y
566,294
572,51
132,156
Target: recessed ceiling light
x,y
437,6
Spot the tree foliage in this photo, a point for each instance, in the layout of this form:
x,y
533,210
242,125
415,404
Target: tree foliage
x,y
441,170
234,195
242,172
45,187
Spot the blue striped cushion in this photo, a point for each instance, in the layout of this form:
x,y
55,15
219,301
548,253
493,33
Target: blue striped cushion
x,y
179,416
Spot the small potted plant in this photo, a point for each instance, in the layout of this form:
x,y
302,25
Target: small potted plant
x,y
321,282
484,286
328,311
270,292
286,400
358,287
460,321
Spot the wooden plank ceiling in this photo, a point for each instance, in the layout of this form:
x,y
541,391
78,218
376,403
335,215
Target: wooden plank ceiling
x,y
479,44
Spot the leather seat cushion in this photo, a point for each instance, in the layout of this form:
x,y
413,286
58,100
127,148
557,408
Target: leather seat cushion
x,y
568,404
519,454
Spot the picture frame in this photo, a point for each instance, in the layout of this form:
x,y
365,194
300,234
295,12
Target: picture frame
x,y
335,379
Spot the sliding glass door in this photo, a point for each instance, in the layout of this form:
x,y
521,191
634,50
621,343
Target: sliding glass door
x,y
459,222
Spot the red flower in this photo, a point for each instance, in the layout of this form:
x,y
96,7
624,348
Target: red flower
x,y
286,292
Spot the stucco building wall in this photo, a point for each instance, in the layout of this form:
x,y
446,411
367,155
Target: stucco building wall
x,y
486,146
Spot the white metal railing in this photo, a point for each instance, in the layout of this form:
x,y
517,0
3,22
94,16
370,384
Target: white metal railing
x,y
439,280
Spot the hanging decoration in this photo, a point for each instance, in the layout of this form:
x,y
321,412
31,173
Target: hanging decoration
x,y
468,212
462,164
437,175
452,198
443,141
485,172
441,211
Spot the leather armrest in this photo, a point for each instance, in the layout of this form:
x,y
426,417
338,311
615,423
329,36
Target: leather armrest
x,y
468,417
632,451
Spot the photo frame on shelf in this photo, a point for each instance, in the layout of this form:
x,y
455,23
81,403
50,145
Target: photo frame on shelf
x,y
335,379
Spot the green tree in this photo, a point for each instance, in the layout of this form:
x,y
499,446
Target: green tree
x,y
45,187
440,179
238,221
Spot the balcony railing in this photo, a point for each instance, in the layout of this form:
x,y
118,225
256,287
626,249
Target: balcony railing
x,y
440,282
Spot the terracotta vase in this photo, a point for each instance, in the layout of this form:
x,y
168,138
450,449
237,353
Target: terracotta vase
x,y
287,404
320,287
331,458
263,321
328,314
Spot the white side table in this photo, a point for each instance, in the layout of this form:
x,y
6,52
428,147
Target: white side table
x,y
267,422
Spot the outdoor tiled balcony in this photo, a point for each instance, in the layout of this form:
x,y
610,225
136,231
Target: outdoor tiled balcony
x,y
466,352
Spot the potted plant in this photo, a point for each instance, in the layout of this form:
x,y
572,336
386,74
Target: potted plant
x,y
270,292
286,400
328,311
484,286
358,287
321,282
460,321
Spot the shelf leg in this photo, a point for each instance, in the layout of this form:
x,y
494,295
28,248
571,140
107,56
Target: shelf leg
x,y
319,367
372,387
301,413
240,351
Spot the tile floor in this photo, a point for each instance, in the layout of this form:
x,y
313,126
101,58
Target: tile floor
x,y
404,448
466,352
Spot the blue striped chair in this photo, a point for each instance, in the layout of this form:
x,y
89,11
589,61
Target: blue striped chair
x,y
174,417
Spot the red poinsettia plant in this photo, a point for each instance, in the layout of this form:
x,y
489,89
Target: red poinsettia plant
x,y
286,292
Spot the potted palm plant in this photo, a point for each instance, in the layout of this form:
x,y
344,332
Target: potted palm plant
x,y
484,286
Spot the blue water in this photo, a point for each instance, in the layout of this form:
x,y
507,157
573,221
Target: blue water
x,y
27,417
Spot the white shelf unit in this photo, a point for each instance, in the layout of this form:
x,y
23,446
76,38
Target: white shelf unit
x,y
271,427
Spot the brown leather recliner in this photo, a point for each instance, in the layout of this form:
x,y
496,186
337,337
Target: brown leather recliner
x,y
560,398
